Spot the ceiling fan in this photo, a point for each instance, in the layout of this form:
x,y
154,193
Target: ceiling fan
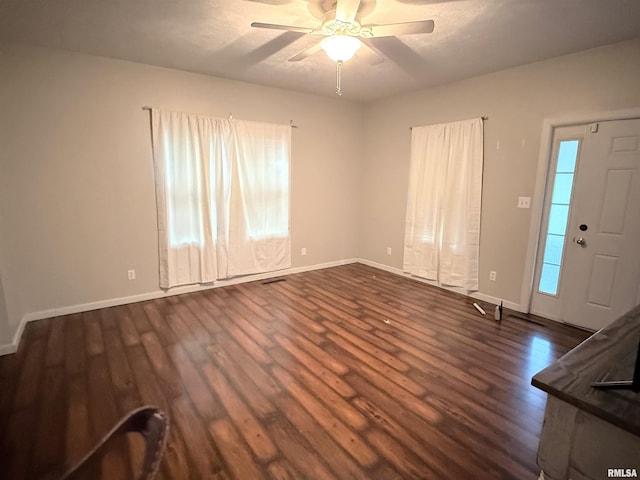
x,y
344,33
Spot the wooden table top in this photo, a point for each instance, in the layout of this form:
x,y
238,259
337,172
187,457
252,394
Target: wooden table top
x,y
607,355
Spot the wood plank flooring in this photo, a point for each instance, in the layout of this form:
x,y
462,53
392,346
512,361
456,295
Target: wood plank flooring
x,y
342,373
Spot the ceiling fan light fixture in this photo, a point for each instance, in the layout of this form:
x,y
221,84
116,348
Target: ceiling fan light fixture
x,y
340,48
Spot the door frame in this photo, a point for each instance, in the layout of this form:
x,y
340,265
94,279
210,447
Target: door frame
x,y
537,203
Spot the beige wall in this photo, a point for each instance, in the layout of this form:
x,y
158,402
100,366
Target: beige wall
x,y
77,206
516,101
77,202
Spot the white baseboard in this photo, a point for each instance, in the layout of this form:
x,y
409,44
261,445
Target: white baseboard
x,y
478,295
12,347
85,307
8,348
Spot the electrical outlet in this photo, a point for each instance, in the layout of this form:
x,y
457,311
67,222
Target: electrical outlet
x,y
492,276
131,274
303,251
388,250
524,202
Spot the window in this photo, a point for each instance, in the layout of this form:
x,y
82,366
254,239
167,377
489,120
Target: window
x,y
222,189
442,228
558,216
263,174
184,185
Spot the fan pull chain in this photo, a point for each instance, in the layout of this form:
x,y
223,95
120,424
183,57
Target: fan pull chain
x,y
339,78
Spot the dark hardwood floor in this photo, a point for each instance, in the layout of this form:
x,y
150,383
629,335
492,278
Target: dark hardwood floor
x,y
347,372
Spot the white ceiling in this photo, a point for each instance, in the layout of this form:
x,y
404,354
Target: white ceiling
x,y
214,37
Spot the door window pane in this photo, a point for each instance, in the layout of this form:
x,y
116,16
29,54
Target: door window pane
x,y
553,249
562,188
549,278
558,219
558,216
567,155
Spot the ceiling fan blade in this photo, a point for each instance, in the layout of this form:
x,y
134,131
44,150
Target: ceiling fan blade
x,y
289,28
395,29
306,53
404,56
346,10
269,48
369,53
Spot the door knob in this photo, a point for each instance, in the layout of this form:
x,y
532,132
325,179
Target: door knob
x,y
581,242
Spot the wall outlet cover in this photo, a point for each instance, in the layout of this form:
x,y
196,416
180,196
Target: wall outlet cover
x,y
524,202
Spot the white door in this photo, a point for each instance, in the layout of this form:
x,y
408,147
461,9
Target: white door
x,y
588,271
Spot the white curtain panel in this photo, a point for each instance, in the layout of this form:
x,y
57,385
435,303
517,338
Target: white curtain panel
x,y
222,189
259,202
442,230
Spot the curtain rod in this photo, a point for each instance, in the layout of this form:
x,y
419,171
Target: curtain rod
x,y
483,118
147,107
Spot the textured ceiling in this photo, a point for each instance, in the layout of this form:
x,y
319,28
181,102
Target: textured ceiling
x,y
214,37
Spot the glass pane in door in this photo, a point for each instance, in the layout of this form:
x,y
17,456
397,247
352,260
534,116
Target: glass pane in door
x,y
558,217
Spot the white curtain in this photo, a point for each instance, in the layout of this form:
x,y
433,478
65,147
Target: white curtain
x,y
222,190
259,199
442,230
